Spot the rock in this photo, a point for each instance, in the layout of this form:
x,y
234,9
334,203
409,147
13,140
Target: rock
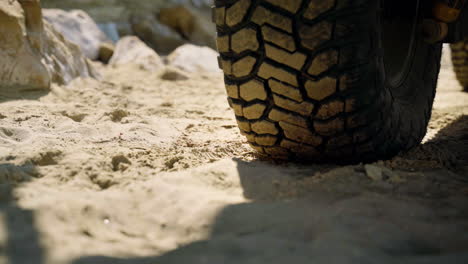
x,y
191,58
173,74
79,28
194,22
202,3
106,50
124,29
374,172
158,36
32,53
105,11
131,50
64,60
380,173
189,23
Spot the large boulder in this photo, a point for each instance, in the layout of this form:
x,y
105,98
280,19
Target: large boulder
x,y
190,24
78,27
128,14
191,58
32,53
131,50
158,36
104,11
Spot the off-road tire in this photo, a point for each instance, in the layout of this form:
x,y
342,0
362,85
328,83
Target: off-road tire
x,y
306,79
460,62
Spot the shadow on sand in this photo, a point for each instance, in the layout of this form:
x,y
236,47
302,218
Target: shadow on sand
x,y
300,223
23,240
20,94
291,219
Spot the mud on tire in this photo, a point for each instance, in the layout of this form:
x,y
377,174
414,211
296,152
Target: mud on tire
x,y
306,79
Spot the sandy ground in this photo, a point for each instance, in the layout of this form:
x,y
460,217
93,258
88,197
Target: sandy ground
x,y
136,169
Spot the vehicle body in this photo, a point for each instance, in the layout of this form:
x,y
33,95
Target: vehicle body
x,y
336,80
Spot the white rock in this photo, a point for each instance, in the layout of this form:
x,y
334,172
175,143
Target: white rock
x,y
78,27
33,54
131,50
191,58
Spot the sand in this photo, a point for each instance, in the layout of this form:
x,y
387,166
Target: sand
x,y
136,169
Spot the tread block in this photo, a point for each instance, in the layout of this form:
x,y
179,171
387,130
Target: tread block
x,y
219,15
263,16
244,125
283,116
289,5
300,134
323,62
236,107
279,38
312,37
294,60
245,39
264,127
244,66
232,91
321,89
250,137
285,90
318,7
303,108
330,109
226,65
329,128
460,62
222,43
254,111
266,140
253,89
268,71
236,13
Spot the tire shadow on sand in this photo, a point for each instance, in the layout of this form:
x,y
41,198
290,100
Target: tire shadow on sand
x,y
417,213
22,243
15,94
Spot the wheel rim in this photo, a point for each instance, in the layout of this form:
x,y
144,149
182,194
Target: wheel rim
x,y
400,24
